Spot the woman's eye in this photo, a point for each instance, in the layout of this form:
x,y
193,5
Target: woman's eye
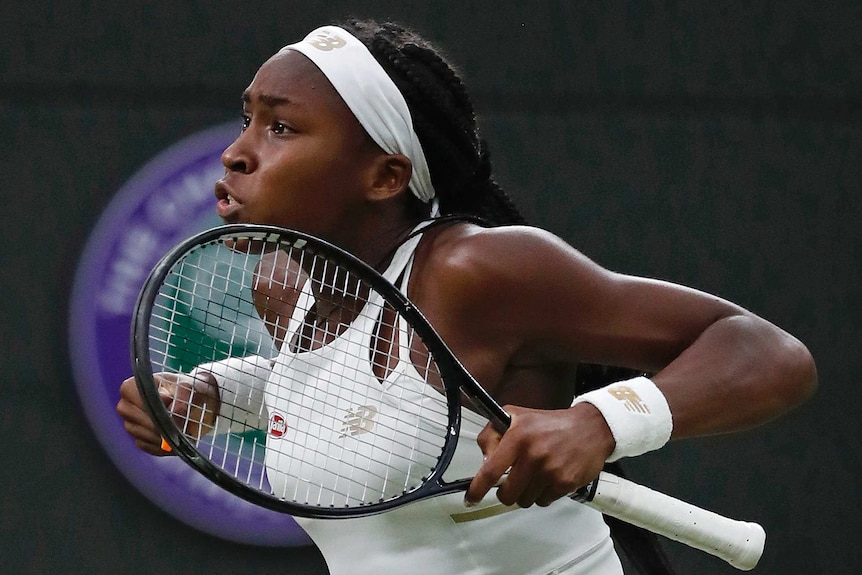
x,y
279,128
245,122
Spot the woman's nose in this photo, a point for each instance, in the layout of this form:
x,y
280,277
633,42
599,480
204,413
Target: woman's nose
x,y
237,157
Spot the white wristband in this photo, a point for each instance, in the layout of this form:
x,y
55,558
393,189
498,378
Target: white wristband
x,y
241,382
636,412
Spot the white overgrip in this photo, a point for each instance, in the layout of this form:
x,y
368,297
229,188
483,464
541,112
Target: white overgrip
x,y
739,543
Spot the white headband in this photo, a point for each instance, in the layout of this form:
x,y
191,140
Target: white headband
x,y
371,95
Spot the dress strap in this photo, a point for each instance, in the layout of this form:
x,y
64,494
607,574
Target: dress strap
x,y
401,266
403,257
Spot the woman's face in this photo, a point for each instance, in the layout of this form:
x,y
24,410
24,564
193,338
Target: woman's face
x,y
302,159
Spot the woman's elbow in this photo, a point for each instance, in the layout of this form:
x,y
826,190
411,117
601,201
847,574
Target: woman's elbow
x,y
801,380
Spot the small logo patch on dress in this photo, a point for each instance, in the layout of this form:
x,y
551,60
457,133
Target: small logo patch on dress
x,y
277,426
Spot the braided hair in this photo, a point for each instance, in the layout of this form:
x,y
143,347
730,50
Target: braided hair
x,y
444,120
460,166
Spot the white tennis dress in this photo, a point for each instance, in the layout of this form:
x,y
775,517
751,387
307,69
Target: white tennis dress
x,y
439,535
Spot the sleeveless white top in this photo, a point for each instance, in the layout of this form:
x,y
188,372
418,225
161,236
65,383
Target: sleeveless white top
x,y
439,535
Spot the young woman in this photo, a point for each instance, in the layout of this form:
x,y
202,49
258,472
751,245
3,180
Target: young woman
x,y
365,136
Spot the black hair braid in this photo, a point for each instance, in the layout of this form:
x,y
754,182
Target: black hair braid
x,y
444,120
503,206
447,85
444,142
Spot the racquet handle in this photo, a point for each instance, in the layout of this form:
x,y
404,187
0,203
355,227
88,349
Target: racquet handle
x,y
739,543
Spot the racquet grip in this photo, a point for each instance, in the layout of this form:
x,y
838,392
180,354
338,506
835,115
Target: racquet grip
x,y
739,543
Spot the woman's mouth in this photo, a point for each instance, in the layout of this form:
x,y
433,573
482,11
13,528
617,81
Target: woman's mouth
x,y
227,206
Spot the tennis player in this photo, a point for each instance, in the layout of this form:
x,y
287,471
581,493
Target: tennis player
x,y
364,135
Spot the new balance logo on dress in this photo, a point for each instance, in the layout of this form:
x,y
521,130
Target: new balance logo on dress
x,y
358,420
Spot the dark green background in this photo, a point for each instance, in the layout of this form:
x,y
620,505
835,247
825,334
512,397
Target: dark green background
x,y
714,146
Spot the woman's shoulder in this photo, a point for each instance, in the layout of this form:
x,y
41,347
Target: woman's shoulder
x,y
477,252
469,264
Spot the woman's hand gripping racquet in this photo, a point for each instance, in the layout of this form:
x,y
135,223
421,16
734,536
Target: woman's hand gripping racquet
x,y
310,418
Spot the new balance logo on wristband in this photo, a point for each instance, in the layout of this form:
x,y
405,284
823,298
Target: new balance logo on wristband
x,y
637,414
630,399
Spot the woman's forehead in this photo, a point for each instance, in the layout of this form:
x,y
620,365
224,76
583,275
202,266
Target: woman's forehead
x,y
291,76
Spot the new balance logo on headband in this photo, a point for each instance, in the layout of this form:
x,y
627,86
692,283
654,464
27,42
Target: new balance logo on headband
x,y
627,395
327,41
358,420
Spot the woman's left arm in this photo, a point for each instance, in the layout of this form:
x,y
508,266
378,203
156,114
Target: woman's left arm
x,y
720,367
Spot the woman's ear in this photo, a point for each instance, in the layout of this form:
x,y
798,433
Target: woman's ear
x,y
390,176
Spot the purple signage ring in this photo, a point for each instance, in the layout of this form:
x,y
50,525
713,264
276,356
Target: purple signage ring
x,y
168,482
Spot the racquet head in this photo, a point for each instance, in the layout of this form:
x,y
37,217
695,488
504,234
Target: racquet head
x,y
294,375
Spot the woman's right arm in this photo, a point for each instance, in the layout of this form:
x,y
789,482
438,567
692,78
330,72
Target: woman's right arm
x,y
194,399
224,396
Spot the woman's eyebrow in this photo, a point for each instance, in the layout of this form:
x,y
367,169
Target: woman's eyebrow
x,y
266,99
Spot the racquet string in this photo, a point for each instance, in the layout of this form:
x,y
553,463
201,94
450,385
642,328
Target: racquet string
x,y
364,423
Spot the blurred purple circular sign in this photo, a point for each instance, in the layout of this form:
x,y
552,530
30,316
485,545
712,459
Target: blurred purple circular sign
x,y
168,200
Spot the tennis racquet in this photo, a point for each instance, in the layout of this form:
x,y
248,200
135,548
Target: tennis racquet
x,y
247,348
